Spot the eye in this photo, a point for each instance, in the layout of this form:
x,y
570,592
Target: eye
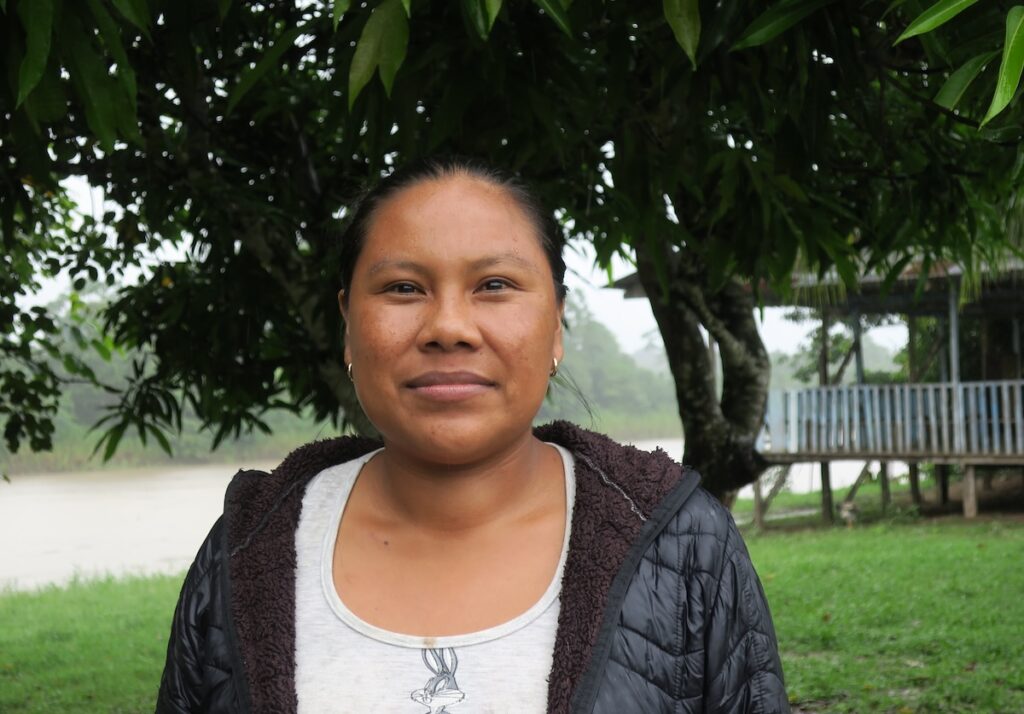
x,y
493,285
402,289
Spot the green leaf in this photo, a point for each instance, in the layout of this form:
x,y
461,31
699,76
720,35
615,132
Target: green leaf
x,y
47,102
113,438
1011,65
269,59
407,4
481,14
492,8
339,9
953,90
161,439
476,18
37,19
136,12
935,16
382,45
683,17
102,349
777,20
111,35
555,10
222,8
93,86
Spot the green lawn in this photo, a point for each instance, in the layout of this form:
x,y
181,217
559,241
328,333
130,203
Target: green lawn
x,y
92,647
899,618
894,617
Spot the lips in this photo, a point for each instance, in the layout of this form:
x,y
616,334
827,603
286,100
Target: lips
x,y
437,379
449,386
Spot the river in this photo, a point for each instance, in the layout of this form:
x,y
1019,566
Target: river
x,y
55,527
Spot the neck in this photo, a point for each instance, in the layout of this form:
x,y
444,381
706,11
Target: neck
x,y
465,497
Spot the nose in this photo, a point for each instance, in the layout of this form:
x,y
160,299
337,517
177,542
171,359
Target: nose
x,y
450,324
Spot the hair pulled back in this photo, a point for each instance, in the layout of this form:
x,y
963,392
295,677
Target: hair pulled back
x,y
431,169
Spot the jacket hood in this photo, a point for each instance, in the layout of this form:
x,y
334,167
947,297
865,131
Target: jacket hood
x,y
620,495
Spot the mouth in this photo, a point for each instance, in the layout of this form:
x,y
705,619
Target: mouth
x,y
449,386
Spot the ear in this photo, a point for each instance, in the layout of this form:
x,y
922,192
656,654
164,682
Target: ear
x,y
558,349
344,316
341,307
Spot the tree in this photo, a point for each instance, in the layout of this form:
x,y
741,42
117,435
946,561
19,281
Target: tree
x,y
722,147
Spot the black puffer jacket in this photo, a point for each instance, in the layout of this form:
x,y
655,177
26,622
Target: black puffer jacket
x,y
661,610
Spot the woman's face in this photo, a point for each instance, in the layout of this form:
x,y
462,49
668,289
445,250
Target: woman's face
x,y
452,321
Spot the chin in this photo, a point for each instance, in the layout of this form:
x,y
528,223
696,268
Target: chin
x,y
456,444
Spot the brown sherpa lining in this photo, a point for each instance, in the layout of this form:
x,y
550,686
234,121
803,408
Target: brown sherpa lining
x,y
616,487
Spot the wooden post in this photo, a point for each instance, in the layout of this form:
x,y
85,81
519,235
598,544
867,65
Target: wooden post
x,y
942,474
915,483
883,481
827,510
970,492
758,505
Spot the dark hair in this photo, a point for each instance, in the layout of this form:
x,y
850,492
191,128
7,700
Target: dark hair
x,y
432,169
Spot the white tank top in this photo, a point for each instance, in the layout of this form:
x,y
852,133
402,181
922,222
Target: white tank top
x,y
344,664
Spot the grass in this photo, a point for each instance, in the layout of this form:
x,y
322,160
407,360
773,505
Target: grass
x,y
900,618
94,646
896,617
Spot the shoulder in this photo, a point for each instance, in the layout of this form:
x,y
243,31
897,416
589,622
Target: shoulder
x,y
703,514
253,494
607,469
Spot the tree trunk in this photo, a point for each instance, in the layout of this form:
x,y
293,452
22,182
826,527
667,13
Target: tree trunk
x,y
914,374
828,514
720,431
758,505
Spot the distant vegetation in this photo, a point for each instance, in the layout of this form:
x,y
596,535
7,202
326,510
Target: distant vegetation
x,y
624,399
600,386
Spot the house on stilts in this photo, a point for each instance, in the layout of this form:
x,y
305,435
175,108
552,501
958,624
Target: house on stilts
x,y
973,421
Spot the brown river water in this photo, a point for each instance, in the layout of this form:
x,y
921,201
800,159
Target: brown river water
x,y
55,527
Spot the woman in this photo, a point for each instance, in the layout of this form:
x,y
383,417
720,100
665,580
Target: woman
x,y
469,562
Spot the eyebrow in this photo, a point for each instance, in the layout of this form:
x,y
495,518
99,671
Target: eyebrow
x,y
479,264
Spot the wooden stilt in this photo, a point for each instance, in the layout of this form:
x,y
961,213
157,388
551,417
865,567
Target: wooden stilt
x,y
883,480
915,484
942,474
758,505
970,492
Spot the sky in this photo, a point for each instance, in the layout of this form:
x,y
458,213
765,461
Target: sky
x,y
632,321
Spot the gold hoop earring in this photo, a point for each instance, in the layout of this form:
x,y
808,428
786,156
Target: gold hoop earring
x,y
349,370
554,368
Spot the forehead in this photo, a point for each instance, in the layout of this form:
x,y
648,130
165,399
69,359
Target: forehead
x,y
453,218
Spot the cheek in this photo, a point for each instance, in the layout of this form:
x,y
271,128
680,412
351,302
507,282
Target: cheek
x,y
529,346
373,337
